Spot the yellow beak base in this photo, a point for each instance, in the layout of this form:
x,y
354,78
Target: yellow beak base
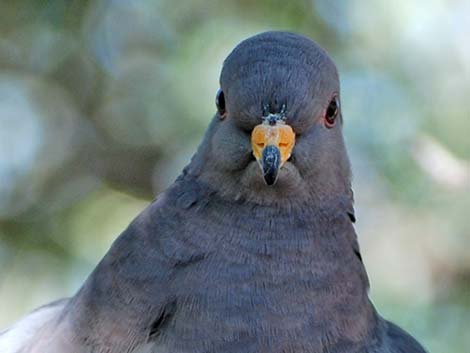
x,y
280,135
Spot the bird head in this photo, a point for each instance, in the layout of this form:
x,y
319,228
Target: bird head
x,y
277,131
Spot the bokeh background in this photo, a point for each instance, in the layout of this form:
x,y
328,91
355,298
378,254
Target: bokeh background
x,y
103,102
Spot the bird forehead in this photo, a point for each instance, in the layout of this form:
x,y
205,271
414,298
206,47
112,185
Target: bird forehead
x,y
285,54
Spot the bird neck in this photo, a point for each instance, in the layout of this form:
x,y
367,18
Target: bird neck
x,y
319,230
308,251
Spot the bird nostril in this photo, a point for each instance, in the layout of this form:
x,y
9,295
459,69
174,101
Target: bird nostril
x,y
283,144
260,144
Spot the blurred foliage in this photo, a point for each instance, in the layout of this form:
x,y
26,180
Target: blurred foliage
x,y
103,102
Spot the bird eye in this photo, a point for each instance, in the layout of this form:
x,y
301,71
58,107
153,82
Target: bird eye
x,y
332,112
220,102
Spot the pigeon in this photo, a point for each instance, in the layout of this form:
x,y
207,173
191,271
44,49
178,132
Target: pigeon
x,y
253,248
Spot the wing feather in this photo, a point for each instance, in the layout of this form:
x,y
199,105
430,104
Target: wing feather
x,y
22,334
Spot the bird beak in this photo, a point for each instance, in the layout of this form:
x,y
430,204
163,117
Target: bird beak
x,y
272,144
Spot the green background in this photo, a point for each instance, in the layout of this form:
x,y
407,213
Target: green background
x,y
103,102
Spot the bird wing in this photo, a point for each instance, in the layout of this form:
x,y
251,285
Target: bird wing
x,y
21,335
123,303
400,341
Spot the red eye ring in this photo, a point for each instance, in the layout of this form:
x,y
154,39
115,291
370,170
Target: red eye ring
x,y
332,112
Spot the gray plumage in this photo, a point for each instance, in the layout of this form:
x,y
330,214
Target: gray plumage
x,y
221,262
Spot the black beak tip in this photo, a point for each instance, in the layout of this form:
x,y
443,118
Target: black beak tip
x,y
270,179
270,163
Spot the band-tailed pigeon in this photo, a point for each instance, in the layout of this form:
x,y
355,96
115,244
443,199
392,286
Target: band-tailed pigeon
x,y
253,248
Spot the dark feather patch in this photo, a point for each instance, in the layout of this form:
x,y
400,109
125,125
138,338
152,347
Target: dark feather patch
x,y
352,217
162,320
358,254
